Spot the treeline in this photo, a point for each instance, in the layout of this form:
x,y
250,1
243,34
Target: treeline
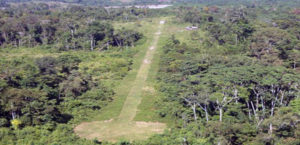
x,y
266,3
290,3
239,85
272,41
100,2
83,2
74,28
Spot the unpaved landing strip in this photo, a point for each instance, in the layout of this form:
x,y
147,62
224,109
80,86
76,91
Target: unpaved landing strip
x,y
123,127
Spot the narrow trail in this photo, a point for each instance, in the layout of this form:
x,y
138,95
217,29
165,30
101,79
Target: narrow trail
x,y
123,126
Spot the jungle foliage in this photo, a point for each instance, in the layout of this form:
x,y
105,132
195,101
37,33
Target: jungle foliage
x,y
71,62
238,83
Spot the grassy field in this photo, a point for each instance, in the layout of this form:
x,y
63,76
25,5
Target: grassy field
x,y
132,115
122,90
147,108
115,122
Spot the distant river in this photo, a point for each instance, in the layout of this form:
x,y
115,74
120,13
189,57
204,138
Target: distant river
x,y
140,6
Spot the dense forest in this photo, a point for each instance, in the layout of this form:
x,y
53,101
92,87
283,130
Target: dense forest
x,y
239,85
234,79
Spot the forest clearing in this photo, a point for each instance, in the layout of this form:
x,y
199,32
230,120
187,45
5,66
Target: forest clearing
x,y
124,127
149,72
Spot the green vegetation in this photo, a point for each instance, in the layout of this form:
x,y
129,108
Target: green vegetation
x,y
123,126
57,84
232,85
210,72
